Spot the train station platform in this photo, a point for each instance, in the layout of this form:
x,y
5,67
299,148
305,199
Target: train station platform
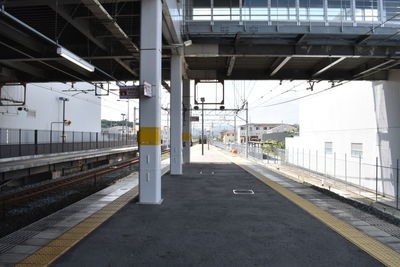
x,y
202,222
24,162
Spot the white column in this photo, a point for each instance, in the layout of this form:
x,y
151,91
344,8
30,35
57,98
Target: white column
x,y
176,115
186,133
150,108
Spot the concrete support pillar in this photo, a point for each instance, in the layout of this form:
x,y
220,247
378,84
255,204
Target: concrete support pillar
x,y
186,129
176,115
150,108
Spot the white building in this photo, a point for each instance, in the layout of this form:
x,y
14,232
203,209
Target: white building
x,y
43,106
256,130
344,131
228,137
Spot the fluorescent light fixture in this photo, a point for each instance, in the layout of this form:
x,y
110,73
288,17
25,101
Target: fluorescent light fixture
x,y
75,59
187,43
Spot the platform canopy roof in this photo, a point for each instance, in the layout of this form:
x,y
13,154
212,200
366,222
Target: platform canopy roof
x,y
228,42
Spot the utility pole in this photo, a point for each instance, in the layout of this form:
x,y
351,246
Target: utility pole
x,y
127,117
202,125
247,129
134,120
63,99
123,118
234,127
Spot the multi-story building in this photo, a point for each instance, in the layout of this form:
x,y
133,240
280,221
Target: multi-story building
x,y
43,107
228,137
351,133
256,131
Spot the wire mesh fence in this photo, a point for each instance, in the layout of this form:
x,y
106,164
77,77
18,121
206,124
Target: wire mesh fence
x,y
367,177
21,142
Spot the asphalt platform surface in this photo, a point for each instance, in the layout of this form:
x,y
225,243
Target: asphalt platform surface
x,y
202,223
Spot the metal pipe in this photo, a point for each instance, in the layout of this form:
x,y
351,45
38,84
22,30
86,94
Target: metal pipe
x,y
202,125
247,129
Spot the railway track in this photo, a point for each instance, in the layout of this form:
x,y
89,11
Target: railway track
x,y
23,195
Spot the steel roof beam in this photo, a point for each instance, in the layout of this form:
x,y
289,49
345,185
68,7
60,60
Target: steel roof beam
x,y
279,65
231,64
334,51
81,25
109,23
26,68
232,60
337,61
375,67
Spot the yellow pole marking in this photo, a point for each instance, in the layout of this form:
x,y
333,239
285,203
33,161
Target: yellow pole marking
x,y
376,249
59,246
186,136
149,136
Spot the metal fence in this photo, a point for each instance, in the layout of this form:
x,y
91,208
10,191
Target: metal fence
x,y
21,142
366,177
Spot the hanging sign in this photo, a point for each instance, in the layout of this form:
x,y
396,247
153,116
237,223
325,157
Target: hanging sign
x,y
147,89
129,92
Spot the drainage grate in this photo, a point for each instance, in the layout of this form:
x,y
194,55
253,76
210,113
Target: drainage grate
x,y
243,192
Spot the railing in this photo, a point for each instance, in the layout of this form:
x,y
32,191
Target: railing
x,y
368,178
21,142
298,12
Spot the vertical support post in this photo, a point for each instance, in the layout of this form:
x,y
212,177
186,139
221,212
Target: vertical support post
x,y
97,140
381,12
90,140
241,12
134,120
212,11
202,126
186,133
234,127
397,183
247,120
73,141
326,12
376,179
82,141
36,142
19,142
51,140
176,115
150,108
359,173
353,12
345,169
334,164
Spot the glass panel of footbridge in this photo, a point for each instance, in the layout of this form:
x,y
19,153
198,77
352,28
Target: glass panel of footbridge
x,y
391,11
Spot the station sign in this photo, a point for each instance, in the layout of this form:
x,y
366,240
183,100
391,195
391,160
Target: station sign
x,y
129,92
135,91
194,118
147,89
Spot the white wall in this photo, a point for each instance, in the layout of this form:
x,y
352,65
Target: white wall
x,y
357,112
84,110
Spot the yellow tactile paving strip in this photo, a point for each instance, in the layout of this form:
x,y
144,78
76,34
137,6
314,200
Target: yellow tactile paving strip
x,y
56,248
376,249
53,250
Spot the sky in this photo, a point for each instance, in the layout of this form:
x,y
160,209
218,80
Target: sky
x,y
264,97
